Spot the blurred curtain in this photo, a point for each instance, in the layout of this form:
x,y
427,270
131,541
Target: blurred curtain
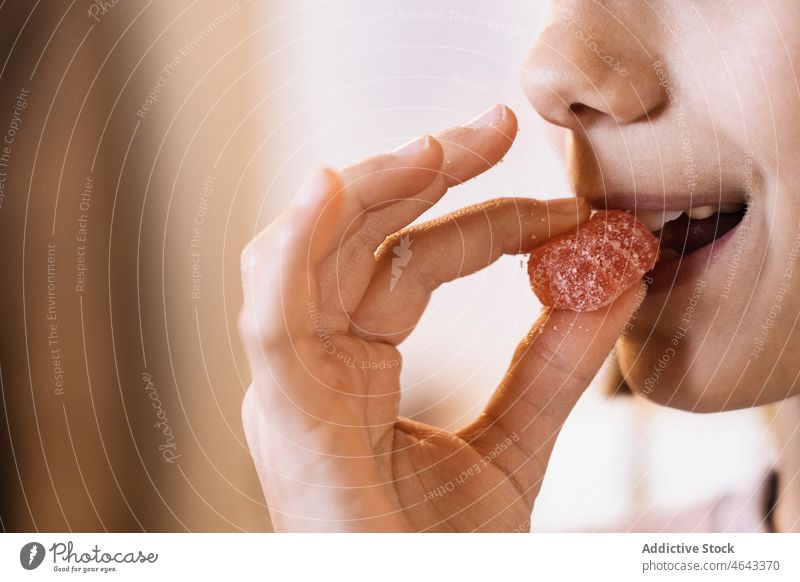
x,y
129,176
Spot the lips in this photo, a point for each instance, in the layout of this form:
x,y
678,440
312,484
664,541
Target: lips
x,y
685,234
683,231
689,234
656,219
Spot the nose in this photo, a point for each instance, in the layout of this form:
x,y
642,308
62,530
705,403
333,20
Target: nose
x,y
587,64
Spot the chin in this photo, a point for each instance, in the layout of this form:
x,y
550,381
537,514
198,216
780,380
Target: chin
x,y
703,367
676,384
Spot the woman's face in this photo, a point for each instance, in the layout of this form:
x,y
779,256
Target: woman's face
x,y
679,108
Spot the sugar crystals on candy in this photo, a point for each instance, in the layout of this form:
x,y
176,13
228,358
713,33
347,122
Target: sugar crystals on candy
x,y
591,267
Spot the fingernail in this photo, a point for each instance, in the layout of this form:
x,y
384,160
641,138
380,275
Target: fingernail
x,y
570,205
413,147
491,118
316,184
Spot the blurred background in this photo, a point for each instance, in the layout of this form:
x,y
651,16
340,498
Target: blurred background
x,y
145,143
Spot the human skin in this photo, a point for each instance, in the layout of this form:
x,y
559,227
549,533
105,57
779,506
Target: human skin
x,y
720,76
690,104
322,323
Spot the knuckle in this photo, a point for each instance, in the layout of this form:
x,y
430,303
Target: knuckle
x,y
549,351
260,335
249,409
248,257
248,331
265,244
368,235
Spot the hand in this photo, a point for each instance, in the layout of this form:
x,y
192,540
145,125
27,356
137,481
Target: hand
x,y
334,285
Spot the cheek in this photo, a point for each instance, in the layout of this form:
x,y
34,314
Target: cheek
x,y
746,82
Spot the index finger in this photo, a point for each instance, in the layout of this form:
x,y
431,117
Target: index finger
x,y
453,246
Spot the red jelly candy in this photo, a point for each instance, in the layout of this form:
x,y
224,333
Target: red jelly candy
x,y
591,267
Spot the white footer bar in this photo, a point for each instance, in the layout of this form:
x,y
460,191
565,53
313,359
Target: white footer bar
x,y
406,558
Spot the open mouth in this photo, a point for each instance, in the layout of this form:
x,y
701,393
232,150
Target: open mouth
x,y
681,232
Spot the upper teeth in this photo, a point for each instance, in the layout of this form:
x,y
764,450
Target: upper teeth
x,y
701,212
655,219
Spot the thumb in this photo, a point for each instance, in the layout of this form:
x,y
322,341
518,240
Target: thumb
x,y
550,370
